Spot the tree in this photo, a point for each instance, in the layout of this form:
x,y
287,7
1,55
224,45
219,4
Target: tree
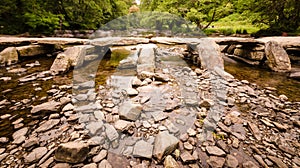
x,y
200,12
283,15
44,16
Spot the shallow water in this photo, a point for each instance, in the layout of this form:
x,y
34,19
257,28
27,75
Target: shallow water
x,y
18,92
265,78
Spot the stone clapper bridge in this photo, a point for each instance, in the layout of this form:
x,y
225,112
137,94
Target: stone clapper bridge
x,y
162,97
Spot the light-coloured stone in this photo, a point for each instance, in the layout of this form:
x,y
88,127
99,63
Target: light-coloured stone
x,y
130,111
170,162
213,150
20,132
48,125
52,106
278,59
36,154
164,144
111,132
102,154
231,161
143,149
122,125
104,164
186,157
249,164
73,56
94,126
278,162
9,56
33,50
68,107
216,162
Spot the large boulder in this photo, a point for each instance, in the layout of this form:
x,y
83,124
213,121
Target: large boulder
x,y
73,56
146,59
9,56
33,50
210,55
71,152
277,58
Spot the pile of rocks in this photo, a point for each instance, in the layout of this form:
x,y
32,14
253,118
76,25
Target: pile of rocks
x,y
159,120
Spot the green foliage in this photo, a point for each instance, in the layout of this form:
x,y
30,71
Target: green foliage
x,y
279,15
44,16
197,11
242,16
42,21
227,32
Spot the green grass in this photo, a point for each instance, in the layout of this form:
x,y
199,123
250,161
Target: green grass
x,y
233,24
